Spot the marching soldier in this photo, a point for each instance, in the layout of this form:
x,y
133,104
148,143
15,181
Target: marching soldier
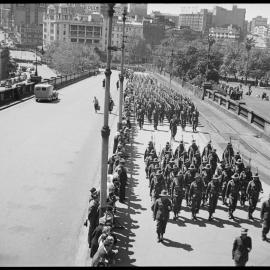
x,y
253,191
192,150
157,185
162,210
155,118
188,179
206,150
213,160
173,126
206,178
265,217
232,192
183,120
194,121
148,161
140,117
228,154
177,193
195,195
212,192
225,178
243,183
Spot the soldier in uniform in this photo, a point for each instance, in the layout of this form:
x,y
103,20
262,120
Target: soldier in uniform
x,y
173,174
195,195
166,150
194,120
213,160
168,169
157,185
265,217
225,178
241,247
212,192
177,193
243,187
140,117
183,120
206,178
253,191
206,150
148,161
155,118
232,192
189,177
228,154
192,150
173,126
162,210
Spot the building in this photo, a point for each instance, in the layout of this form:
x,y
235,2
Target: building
x,y
28,21
220,33
258,21
138,10
199,21
165,18
61,23
261,31
222,17
133,30
4,59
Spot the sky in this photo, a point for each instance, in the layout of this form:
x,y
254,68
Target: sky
x,y
252,10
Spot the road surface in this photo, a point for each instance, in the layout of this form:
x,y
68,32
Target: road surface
x,y
50,157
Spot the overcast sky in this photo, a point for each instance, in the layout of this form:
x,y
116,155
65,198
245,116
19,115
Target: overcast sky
x,y
252,10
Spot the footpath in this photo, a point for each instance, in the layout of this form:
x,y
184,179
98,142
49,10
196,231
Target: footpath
x,y
186,242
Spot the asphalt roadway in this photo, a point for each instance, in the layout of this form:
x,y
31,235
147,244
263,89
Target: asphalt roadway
x,y
189,243
50,158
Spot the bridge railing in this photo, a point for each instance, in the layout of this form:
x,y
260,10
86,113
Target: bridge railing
x,y
11,94
240,109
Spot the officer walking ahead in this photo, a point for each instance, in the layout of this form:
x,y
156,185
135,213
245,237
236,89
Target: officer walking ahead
x,y
241,247
162,209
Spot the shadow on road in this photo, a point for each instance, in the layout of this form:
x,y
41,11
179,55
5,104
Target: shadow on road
x,y
132,206
169,243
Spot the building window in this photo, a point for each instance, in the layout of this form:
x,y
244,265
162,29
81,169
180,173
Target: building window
x,y
64,32
73,39
96,41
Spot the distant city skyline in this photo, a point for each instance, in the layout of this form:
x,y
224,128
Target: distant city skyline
x,y
252,10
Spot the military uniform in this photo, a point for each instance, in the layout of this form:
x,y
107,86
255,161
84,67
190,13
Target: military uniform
x,y
195,195
265,216
157,185
173,127
212,191
253,191
188,179
232,192
177,193
162,210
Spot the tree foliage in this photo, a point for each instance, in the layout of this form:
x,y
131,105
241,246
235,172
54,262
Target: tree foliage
x,y
69,58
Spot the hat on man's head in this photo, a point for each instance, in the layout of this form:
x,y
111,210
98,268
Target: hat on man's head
x,y
163,193
122,160
102,220
92,190
244,231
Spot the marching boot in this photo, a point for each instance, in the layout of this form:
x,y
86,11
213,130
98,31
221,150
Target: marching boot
x,y
161,238
210,217
158,238
250,216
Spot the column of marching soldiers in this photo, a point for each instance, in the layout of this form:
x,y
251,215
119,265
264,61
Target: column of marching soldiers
x,y
199,178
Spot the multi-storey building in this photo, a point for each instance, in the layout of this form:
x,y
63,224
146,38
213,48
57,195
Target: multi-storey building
x,y
61,23
133,30
222,16
200,21
220,33
258,21
4,59
28,22
261,31
153,32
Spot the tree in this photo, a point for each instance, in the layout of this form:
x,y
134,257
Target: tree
x,y
249,44
69,58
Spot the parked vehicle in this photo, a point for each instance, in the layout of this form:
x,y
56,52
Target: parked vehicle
x,y
45,92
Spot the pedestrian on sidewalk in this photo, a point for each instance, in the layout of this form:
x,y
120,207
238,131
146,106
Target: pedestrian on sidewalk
x,y
242,245
265,216
162,210
95,236
93,213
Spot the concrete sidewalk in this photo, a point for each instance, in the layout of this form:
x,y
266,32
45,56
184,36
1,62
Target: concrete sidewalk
x,y
186,243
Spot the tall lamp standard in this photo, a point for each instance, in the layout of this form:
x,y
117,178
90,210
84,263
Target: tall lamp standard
x,y
211,41
36,73
121,76
105,131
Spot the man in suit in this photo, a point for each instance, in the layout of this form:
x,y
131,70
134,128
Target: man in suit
x,y
265,216
162,210
242,245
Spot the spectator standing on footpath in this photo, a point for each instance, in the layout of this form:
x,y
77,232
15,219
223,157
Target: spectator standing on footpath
x,y
242,245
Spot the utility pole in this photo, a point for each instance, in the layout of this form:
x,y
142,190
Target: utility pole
x,y
121,76
105,131
36,73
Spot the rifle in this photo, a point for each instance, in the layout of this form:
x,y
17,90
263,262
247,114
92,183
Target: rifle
x,y
230,155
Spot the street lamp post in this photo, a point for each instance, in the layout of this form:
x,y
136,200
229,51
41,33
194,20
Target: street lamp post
x,y
105,131
211,41
121,77
36,73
